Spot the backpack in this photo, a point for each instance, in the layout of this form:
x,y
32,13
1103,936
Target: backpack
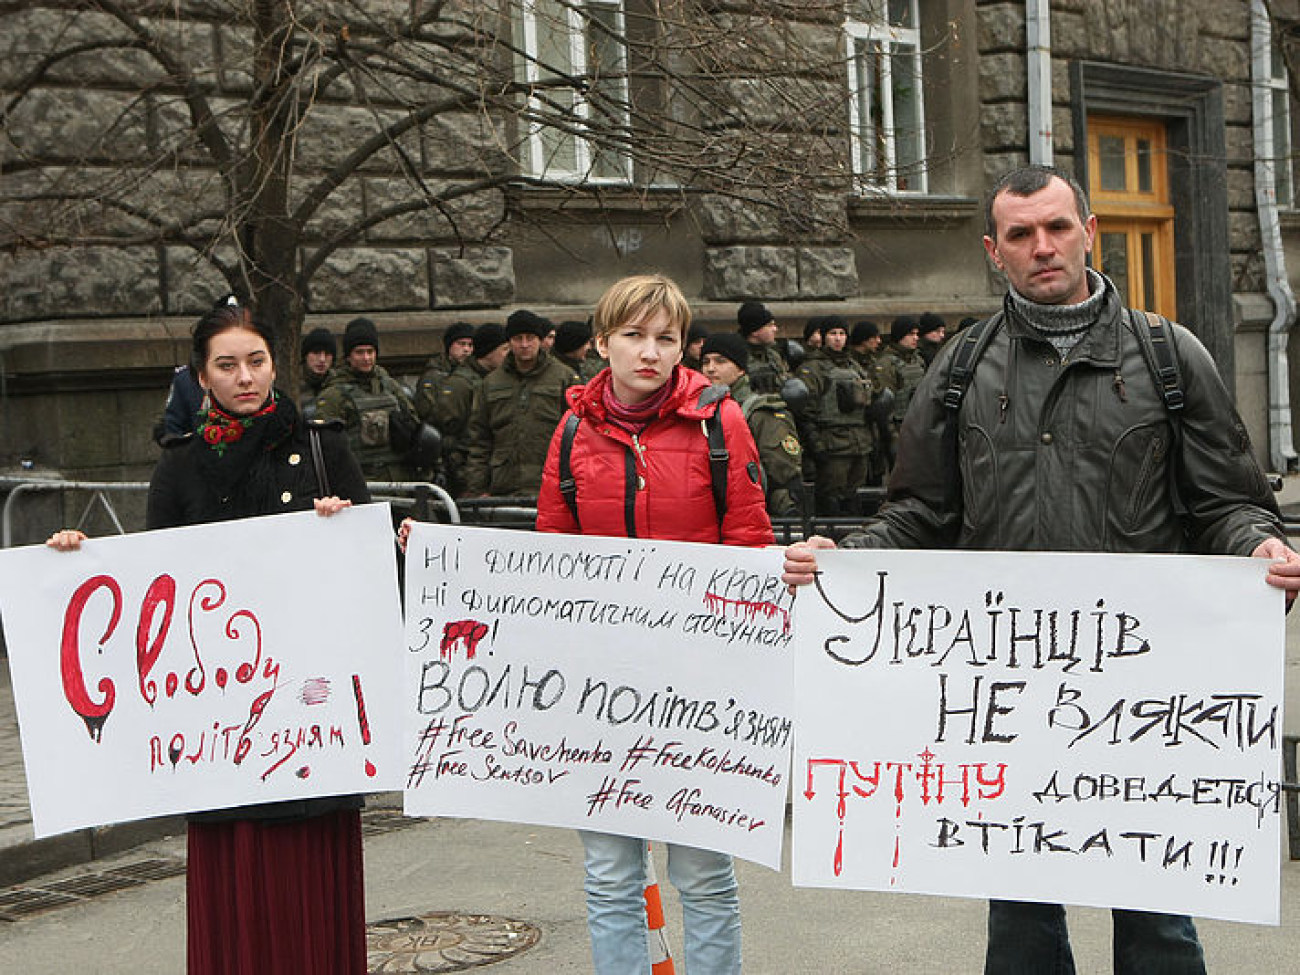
x,y
719,458
1155,341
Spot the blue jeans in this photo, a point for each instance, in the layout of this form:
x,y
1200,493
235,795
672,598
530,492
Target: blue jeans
x,y
1031,939
615,887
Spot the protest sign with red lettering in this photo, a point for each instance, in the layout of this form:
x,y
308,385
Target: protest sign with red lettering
x,y
205,667
623,685
1067,728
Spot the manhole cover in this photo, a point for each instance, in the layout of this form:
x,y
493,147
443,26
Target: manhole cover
x,y
442,941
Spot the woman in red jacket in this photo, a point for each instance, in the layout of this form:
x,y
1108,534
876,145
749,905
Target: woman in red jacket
x,y
639,465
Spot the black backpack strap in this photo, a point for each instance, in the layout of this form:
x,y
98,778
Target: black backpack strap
x,y
970,347
1156,340
568,486
961,369
719,457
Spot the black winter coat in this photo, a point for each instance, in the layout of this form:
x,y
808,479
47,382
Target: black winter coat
x,y
190,485
269,472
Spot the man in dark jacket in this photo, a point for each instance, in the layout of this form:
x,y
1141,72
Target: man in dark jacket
x,y
1088,459
515,412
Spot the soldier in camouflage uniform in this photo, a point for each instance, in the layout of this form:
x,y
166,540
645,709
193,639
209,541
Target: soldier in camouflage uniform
x,y
864,343
933,330
457,346
515,412
449,406
768,370
902,363
724,358
839,393
812,336
901,368
318,354
573,349
376,411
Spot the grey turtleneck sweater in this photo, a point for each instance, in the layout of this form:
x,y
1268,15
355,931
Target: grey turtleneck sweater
x,y
1063,325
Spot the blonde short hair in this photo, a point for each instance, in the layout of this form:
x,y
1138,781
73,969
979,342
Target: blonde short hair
x,y
632,298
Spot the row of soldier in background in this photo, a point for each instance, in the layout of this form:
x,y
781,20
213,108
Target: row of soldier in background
x,y
845,389
824,412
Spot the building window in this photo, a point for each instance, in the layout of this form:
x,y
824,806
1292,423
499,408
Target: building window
x,y
886,108
1280,149
1128,185
574,62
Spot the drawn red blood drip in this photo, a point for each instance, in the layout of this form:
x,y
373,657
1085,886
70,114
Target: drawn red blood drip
x,y
749,609
461,633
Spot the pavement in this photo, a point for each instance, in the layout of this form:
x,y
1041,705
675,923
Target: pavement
x,y
92,921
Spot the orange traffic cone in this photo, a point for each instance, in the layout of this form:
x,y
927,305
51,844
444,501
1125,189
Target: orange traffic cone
x,y
661,956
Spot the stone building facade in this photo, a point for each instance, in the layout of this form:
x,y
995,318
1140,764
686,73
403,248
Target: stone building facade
x,y
890,224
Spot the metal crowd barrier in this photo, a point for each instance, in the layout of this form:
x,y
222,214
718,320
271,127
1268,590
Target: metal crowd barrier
x,y
18,488
426,501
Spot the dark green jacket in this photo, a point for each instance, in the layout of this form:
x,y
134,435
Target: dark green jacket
x,y
450,404
903,370
436,369
447,408
779,450
767,368
1076,457
309,391
510,427
586,367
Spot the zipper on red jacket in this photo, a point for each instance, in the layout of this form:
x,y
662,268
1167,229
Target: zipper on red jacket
x,y
630,483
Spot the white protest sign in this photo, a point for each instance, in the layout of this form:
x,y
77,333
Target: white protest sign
x,y
1089,729
206,667
623,685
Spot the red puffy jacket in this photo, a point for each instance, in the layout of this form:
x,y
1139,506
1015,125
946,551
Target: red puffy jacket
x,y
672,494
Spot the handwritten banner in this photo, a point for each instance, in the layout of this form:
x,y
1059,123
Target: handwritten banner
x,y
1091,729
627,686
206,667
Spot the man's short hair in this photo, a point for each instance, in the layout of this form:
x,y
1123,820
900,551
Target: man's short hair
x,y
632,298
1026,181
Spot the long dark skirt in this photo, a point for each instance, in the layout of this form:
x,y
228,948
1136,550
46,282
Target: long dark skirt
x,y
267,897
